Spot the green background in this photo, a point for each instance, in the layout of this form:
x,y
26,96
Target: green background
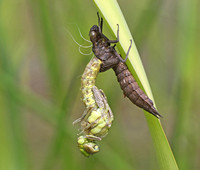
x,y
40,72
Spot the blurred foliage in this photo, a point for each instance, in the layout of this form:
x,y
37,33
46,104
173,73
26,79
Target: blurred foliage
x,y
40,70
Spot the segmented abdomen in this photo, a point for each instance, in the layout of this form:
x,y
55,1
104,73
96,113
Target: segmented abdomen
x,y
132,90
88,81
98,117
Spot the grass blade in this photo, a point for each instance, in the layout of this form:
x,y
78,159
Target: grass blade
x,y
110,10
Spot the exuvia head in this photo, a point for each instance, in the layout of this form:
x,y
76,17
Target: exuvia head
x,y
95,33
87,146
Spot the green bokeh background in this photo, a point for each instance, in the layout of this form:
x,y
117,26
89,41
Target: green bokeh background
x,y
40,72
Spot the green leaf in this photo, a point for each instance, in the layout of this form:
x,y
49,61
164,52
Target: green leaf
x,y
111,12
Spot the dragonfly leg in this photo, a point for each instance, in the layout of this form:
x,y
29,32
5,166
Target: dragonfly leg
x,y
88,110
117,40
100,22
92,137
119,56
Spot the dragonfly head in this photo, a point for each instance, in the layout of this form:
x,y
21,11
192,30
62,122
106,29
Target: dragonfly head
x,y
95,34
87,147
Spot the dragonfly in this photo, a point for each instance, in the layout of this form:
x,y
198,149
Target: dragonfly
x,y
103,50
97,117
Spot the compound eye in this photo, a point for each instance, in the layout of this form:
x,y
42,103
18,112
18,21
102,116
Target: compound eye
x,y
93,34
91,148
87,147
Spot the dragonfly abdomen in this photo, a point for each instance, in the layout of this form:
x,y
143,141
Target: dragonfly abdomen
x,y
88,81
132,90
97,117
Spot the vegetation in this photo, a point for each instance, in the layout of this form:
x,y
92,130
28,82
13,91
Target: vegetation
x,y
40,72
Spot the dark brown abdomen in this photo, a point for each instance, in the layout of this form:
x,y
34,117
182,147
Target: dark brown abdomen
x,y
132,90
